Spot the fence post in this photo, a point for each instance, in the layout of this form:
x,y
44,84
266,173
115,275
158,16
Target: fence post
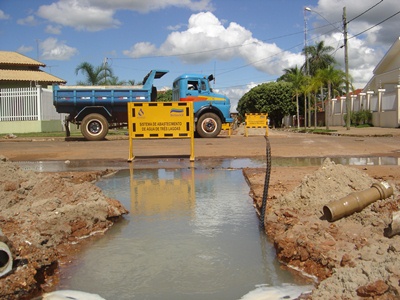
x,y
380,94
362,101
398,104
352,98
39,101
343,106
369,95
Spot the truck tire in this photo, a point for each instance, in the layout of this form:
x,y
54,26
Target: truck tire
x,y
94,127
208,125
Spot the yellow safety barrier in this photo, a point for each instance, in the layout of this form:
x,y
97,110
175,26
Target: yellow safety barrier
x,y
227,126
160,120
156,194
259,120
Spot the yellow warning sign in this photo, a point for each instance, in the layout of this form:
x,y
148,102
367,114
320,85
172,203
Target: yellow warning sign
x,y
227,126
160,120
155,195
257,121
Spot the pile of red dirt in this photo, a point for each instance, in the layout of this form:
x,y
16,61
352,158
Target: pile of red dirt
x,y
349,258
41,216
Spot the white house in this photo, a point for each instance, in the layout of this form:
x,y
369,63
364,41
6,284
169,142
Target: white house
x,y
381,95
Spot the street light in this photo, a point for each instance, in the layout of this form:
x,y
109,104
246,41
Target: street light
x,y
305,37
314,11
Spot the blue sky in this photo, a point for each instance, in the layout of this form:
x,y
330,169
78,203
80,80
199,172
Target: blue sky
x,y
244,43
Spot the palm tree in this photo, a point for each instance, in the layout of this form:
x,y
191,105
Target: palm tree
x,y
328,76
114,80
94,75
296,77
318,57
306,89
315,85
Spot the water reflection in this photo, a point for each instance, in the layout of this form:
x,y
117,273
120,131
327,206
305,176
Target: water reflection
x,y
162,192
215,163
191,234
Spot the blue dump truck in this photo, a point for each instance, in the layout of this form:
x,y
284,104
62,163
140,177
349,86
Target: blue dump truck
x,y
96,109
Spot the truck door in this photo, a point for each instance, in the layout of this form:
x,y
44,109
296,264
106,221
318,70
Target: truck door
x,y
204,87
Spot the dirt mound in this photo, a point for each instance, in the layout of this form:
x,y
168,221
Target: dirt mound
x,y
348,258
40,215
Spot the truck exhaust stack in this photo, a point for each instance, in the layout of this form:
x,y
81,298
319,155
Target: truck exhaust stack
x,y
355,202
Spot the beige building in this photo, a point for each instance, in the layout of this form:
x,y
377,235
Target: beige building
x,y
380,96
386,74
26,104
17,70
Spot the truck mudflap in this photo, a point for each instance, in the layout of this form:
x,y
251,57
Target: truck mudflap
x,y
66,125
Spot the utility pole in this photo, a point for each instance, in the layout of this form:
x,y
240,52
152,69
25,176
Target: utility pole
x,y
105,71
306,95
346,65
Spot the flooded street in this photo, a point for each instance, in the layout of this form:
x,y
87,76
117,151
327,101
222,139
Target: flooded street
x,y
192,231
191,234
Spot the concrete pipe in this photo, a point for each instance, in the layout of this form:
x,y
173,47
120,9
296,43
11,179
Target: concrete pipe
x,y
6,260
356,201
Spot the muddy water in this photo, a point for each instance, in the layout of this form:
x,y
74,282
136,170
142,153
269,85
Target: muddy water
x,y
238,163
192,233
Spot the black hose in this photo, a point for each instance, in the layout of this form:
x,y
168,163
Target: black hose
x,y
266,181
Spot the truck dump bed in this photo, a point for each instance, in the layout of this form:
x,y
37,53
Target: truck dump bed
x,y
69,99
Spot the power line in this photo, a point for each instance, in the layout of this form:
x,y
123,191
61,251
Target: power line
x,y
264,40
365,11
224,48
375,25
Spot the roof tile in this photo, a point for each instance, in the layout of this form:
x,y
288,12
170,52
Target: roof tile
x,y
23,75
14,58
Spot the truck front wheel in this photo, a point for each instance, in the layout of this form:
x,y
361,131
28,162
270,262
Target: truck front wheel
x,y
208,125
94,127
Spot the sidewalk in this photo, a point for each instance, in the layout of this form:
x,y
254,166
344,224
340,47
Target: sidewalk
x,y
365,131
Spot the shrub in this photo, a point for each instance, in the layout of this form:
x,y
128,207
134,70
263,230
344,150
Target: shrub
x,y
359,117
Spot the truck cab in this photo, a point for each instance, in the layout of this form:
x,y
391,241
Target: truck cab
x,y
211,110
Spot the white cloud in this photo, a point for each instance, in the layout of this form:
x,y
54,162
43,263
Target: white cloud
x,y
234,94
29,20
3,16
52,49
53,29
96,15
206,32
140,50
152,5
24,49
383,35
365,50
175,27
79,15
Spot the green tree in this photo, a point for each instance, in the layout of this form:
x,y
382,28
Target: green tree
x,y
318,57
274,98
314,85
164,96
328,76
297,79
134,82
114,80
94,75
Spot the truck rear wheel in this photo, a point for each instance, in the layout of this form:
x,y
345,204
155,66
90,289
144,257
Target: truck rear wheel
x,y
94,127
208,125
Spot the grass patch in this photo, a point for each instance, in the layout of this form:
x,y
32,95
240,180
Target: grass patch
x,y
62,133
312,130
363,126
